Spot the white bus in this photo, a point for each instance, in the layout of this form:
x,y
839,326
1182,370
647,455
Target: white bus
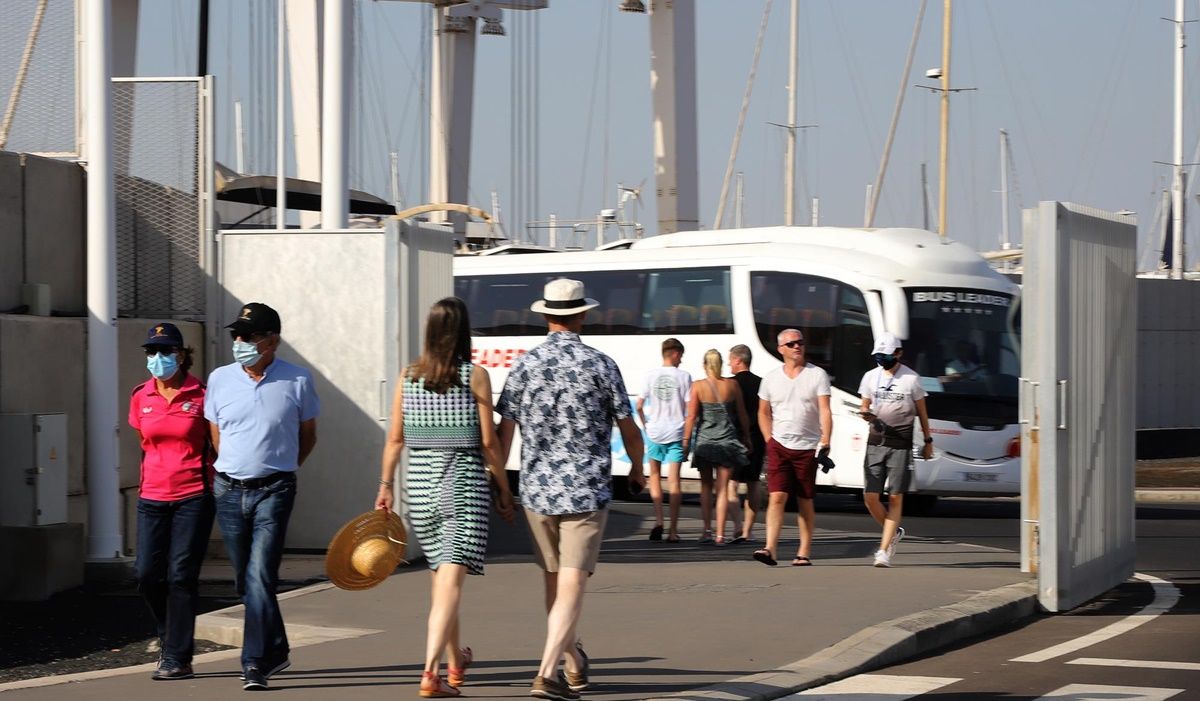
x,y
840,286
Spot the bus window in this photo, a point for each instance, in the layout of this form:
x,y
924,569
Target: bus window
x,y
805,302
631,302
853,341
695,300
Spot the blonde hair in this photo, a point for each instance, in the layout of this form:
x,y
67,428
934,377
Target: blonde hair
x,y
713,362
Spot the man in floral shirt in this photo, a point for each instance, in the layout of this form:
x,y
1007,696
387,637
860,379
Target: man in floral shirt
x,y
565,396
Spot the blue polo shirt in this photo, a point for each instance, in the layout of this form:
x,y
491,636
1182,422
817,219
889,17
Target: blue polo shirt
x,y
260,421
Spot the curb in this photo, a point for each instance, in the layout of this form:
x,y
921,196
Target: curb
x,y
1167,496
224,626
880,645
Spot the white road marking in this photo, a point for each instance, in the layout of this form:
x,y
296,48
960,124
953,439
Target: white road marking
x,y
1165,596
1099,692
1141,664
875,687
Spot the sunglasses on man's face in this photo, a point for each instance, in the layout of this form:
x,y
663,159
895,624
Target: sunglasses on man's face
x,y
165,350
793,344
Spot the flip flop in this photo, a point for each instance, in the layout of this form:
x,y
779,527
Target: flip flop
x,y
738,540
801,561
672,539
764,556
656,533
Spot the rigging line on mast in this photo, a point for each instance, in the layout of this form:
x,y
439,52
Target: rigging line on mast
x,y
587,132
607,131
1085,167
737,133
852,69
14,95
1008,84
891,137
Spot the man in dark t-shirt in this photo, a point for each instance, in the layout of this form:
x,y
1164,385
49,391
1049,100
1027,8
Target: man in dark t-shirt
x,y
748,382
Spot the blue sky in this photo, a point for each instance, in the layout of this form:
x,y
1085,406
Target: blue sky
x,y
1082,86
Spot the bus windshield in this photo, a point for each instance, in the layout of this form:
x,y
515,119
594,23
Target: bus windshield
x,y
963,343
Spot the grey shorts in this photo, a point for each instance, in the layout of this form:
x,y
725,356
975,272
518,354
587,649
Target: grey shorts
x,y
887,467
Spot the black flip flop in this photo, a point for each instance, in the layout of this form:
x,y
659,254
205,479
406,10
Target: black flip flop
x,y
656,533
801,561
764,556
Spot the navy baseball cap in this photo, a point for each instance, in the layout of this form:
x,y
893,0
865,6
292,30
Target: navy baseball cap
x,y
164,334
255,318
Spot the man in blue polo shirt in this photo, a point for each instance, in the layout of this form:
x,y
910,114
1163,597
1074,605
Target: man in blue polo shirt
x,y
262,414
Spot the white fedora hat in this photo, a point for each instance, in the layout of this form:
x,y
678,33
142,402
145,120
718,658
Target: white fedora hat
x,y
563,297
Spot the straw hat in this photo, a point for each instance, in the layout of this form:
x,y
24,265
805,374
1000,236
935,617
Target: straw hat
x,y
366,550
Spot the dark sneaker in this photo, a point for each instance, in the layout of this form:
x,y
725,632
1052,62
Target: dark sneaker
x,y
253,680
170,669
544,688
276,669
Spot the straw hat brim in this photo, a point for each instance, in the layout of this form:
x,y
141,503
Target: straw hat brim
x,y
382,525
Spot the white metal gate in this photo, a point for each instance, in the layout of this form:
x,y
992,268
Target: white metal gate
x,y
1078,401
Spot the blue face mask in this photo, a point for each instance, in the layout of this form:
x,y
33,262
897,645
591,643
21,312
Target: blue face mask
x,y
885,361
246,353
162,366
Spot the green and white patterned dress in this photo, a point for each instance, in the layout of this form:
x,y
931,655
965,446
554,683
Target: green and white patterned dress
x,y
446,490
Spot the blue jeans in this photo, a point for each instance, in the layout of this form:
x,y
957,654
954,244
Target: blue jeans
x,y
254,524
172,537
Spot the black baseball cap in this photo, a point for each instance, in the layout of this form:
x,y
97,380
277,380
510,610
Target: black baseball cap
x,y
164,334
255,318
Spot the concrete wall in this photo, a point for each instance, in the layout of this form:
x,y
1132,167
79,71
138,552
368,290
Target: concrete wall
x,y
42,232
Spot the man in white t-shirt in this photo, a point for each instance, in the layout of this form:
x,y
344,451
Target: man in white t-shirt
x,y
663,408
892,397
795,418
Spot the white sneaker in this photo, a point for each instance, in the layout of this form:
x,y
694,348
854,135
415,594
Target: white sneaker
x,y
899,536
882,559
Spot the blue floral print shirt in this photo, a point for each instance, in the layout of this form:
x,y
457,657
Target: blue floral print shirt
x,y
565,396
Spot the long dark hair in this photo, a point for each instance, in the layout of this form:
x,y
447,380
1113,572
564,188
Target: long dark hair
x,y
447,345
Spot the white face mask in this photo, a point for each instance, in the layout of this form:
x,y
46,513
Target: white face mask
x,y
246,353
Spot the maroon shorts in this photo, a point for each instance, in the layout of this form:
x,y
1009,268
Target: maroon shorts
x,y
791,471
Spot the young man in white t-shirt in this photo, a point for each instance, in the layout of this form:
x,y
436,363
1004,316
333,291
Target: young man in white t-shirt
x,y
892,397
663,408
795,418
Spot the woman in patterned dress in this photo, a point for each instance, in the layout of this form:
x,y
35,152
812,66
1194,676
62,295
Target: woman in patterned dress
x,y
442,411
722,441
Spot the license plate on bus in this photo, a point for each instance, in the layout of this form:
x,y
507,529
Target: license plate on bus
x,y
980,476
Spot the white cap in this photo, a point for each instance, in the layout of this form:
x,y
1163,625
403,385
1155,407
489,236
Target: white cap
x,y
887,344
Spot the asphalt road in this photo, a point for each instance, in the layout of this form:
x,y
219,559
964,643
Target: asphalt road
x,y
1138,642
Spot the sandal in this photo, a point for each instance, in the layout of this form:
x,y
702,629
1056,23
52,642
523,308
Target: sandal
x,y
458,677
432,687
764,556
673,538
719,541
801,561
738,540
656,533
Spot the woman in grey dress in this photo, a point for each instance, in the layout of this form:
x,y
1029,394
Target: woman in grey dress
x,y
722,440
442,412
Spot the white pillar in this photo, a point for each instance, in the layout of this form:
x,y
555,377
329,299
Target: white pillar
x,y
335,99
1178,204
673,90
103,477
304,92
450,108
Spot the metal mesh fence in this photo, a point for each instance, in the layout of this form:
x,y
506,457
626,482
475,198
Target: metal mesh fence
x,y
157,160
37,76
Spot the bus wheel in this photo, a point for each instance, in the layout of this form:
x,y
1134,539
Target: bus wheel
x,y
919,504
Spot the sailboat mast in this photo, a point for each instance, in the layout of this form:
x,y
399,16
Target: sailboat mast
x,y
945,138
1005,243
789,180
1177,187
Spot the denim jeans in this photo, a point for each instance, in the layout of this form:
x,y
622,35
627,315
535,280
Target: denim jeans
x,y
171,539
254,524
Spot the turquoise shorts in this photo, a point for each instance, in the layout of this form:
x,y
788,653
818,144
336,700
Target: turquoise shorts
x,y
664,452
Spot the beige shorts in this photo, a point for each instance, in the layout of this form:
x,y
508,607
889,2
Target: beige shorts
x,y
567,540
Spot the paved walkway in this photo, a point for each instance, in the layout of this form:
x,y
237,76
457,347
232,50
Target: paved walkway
x,y
660,621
